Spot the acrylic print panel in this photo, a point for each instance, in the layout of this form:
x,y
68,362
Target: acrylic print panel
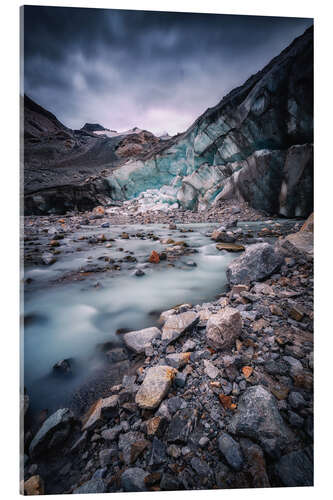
x,y
168,251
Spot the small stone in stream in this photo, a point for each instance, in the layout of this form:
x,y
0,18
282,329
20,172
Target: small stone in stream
x,y
210,369
230,247
156,426
223,328
158,454
200,467
133,479
34,486
172,225
138,340
53,432
105,224
154,257
124,236
139,272
296,468
63,367
177,324
92,486
257,262
231,451
178,360
296,400
258,418
191,263
203,442
48,259
155,386
189,345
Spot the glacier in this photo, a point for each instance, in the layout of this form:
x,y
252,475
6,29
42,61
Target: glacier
x,y
255,146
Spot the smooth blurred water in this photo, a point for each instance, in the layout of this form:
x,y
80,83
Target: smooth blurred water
x,y
69,320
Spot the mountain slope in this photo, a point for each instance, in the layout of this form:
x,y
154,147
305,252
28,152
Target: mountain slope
x,y
242,147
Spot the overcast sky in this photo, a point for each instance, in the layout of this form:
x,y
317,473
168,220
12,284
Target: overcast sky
x,y
157,71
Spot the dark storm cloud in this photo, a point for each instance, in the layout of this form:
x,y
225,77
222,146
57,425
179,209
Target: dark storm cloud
x,y
158,71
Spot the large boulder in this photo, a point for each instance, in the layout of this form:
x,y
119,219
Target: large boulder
x,y
257,263
155,386
298,244
138,340
177,324
223,328
258,418
53,432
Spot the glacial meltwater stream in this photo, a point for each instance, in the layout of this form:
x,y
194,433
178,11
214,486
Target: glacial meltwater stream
x,y
69,319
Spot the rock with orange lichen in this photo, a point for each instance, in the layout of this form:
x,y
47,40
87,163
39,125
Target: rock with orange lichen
x,y
155,386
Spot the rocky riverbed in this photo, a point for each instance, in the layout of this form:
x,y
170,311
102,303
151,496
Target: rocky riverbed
x,y
214,393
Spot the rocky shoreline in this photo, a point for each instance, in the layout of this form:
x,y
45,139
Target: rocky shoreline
x,y
222,392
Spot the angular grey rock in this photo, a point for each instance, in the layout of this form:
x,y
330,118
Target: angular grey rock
x,y
54,430
158,453
177,324
223,328
133,479
126,441
257,262
231,451
258,418
138,340
93,486
296,468
210,369
155,386
176,403
48,258
178,359
181,425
